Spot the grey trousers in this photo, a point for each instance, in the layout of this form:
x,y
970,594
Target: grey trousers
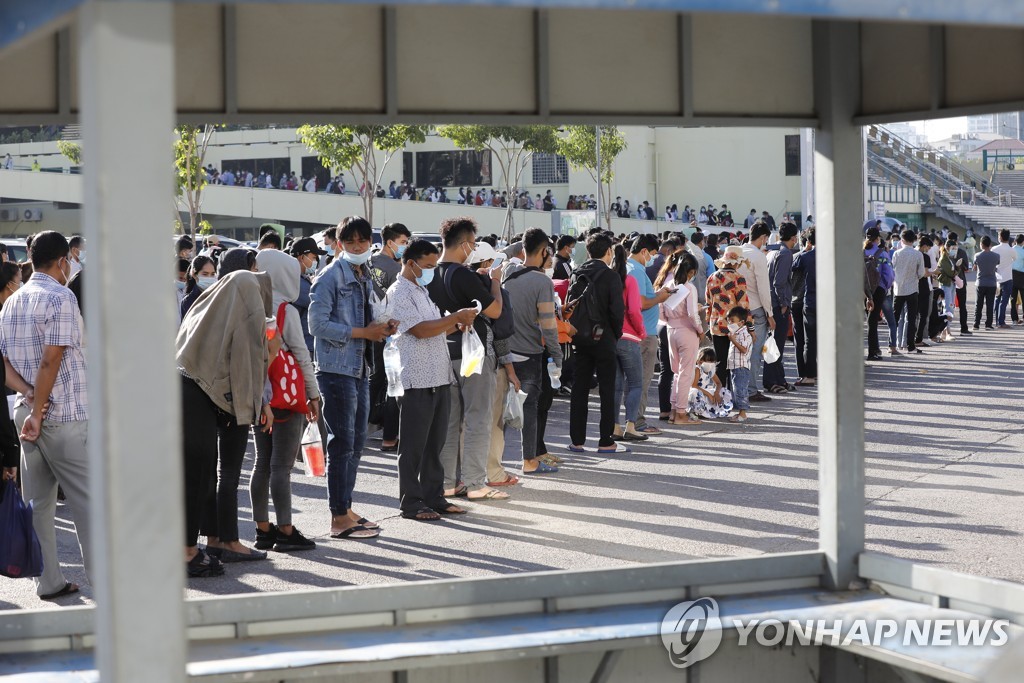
x,y
649,354
58,458
272,470
464,456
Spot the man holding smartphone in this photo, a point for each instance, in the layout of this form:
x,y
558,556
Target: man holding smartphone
x,y
341,323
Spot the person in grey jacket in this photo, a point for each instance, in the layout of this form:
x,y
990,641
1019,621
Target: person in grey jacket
x,y
780,269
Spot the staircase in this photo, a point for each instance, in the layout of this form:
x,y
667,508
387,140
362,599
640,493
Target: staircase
x,y
71,132
985,220
1012,182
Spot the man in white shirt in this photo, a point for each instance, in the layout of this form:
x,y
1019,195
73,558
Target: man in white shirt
x,y
77,254
1005,272
311,184
754,269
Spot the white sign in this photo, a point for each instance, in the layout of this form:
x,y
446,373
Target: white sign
x,y
879,210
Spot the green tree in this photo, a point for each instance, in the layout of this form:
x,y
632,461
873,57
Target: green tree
x,y
579,147
72,151
189,158
511,147
356,148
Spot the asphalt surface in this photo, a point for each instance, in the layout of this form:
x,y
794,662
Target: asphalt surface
x,y
944,453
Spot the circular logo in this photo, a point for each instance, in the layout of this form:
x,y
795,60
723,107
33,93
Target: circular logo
x,y
691,631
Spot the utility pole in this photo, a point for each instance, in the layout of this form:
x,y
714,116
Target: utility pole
x,y
600,199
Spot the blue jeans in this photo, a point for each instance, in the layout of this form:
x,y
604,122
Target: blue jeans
x,y
631,364
760,319
346,410
890,320
532,382
741,388
1003,301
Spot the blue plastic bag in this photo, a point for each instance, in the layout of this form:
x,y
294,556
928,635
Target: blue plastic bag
x,y
20,554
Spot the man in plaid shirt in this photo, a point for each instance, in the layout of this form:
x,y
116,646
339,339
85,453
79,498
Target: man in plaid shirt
x,y
41,340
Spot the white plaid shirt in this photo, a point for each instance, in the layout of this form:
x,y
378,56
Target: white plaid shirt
x,y
44,313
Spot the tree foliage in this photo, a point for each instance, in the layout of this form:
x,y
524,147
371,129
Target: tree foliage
x,y
72,151
579,147
511,148
190,145
356,148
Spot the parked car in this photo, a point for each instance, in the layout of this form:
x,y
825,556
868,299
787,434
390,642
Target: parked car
x,y
429,236
16,249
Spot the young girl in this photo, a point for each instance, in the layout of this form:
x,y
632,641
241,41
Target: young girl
x,y
684,334
707,397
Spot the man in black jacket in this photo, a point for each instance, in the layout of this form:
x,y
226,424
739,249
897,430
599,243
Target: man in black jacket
x,y
597,349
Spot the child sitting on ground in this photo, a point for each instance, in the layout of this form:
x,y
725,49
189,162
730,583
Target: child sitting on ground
x,y
741,341
707,397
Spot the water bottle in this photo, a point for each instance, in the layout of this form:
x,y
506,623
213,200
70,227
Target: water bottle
x,y
555,373
393,368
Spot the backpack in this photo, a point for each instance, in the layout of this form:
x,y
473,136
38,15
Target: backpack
x,y
582,309
502,328
871,274
286,379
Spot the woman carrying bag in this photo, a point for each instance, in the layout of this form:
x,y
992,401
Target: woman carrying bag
x,y
293,406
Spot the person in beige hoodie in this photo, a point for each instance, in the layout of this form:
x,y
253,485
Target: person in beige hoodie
x,y
276,450
222,354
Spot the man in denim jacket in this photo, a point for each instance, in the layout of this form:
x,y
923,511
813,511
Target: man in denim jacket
x,y
341,324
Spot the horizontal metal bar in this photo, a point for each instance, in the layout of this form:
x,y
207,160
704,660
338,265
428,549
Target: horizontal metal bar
x,y
367,118
994,593
942,113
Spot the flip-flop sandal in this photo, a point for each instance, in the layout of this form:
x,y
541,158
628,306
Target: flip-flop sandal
x,y
68,589
552,457
422,515
491,495
630,436
358,529
367,523
576,449
542,468
461,491
451,510
619,449
510,480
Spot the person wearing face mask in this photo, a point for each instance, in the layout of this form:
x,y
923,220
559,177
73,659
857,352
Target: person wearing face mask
x,y
308,254
643,255
754,269
341,321
202,275
385,267
535,340
708,399
453,288
961,264
184,248
41,340
426,376
77,254
332,245
10,280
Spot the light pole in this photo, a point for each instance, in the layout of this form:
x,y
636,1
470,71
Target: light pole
x,y
600,199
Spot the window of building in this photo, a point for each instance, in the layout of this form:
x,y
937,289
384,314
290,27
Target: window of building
x,y
276,167
550,169
792,155
453,169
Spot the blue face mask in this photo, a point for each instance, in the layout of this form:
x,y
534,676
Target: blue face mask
x,y
650,262
356,259
427,276
400,251
205,282
180,285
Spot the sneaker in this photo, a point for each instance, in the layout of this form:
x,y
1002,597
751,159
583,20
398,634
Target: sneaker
x,y
293,541
977,327
966,331
265,539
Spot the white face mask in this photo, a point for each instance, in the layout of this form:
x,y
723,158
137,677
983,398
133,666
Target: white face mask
x,y
356,259
734,327
550,272
707,367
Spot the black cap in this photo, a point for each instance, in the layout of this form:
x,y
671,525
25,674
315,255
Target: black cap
x,y
306,245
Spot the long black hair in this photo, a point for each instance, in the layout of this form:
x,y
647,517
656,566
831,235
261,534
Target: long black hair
x,y
619,261
198,263
687,265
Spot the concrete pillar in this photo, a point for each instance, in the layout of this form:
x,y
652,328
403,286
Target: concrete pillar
x,y
839,190
127,84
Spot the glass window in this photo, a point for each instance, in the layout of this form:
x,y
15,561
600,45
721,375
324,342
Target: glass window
x,y
453,169
550,169
792,155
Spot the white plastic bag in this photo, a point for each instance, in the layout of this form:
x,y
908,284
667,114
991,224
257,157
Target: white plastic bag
x,y
514,401
770,350
313,451
472,353
380,307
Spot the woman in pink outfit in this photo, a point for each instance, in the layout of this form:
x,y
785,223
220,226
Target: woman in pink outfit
x,y
684,333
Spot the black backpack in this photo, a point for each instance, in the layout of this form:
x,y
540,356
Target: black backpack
x,y
502,328
582,308
872,276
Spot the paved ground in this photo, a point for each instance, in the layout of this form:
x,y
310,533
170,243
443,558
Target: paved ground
x,y
945,448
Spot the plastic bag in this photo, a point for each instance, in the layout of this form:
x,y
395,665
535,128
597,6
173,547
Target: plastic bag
x,y
513,416
20,554
472,353
313,451
380,307
770,350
